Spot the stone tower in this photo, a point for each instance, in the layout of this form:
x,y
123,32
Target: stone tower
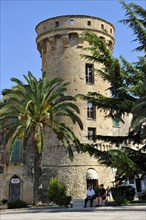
x,y
60,45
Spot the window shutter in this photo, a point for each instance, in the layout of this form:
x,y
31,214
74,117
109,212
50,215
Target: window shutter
x,y
16,153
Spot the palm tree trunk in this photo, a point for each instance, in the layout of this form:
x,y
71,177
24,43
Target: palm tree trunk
x,y
37,180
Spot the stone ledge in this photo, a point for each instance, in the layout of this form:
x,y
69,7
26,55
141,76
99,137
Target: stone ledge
x,y
79,203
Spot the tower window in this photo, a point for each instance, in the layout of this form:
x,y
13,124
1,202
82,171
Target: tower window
x,y
91,133
89,23
116,121
57,24
89,73
102,26
91,114
102,38
111,31
72,22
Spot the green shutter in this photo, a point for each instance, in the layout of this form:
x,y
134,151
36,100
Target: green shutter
x,y
116,121
16,153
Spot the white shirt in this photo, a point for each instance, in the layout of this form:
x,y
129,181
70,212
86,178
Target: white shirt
x,y
90,192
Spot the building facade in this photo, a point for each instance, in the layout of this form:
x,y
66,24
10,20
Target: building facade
x,y
60,45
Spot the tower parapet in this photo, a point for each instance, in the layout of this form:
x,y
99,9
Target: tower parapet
x,y
69,27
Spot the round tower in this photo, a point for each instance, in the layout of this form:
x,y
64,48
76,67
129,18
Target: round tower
x,y
60,45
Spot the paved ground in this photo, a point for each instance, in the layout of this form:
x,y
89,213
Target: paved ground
x,y
103,213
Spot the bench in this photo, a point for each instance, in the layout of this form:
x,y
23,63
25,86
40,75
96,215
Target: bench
x,y
79,203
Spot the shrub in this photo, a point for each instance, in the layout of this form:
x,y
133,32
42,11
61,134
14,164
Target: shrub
x,y
4,201
17,204
142,196
57,193
123,194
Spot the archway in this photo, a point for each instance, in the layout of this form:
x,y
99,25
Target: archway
x,y
14,188
92,177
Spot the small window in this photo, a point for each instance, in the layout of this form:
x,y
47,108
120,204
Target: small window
x,y
89,23
89,73
91,111
111,31
92,134
102,26
72,22
116,121
44,28
102,38
57,24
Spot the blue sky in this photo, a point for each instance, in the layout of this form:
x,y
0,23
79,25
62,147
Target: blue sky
x,y
18,50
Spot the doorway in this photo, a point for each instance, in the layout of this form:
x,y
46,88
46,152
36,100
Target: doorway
x,y
92,178
14,189
138,185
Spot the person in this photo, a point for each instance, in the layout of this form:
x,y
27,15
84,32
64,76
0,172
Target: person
x,y
101,195
108,193
90,195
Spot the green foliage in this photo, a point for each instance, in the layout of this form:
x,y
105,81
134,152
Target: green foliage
x,y
17,204
4,201
127,80
112,71
57,193
125,160
29,109
38,105
123,194
127,85
136,20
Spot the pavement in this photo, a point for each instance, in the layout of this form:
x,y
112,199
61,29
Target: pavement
x,y
130,212
134,207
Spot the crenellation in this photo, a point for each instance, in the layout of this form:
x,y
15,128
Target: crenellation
x,y
75,22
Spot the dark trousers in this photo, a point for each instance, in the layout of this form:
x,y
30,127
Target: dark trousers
x,y
91,198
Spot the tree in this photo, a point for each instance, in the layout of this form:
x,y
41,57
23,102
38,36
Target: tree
x,y
136,20
128,94
36,106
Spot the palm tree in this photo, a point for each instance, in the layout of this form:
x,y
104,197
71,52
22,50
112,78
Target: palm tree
x,y
128,93
36,106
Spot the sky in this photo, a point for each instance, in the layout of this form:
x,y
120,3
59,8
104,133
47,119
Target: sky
x,y
18,19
